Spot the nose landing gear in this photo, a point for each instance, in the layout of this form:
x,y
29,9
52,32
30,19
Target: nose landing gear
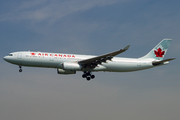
x,y
88,75
20,70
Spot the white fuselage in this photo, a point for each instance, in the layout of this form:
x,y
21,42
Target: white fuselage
x,y
55,60
70,63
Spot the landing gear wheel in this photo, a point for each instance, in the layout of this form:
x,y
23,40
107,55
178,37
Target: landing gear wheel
x,y
88,75
20,70
84,75
92,76
88,78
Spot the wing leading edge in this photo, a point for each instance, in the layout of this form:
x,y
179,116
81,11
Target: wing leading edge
x,y
93,62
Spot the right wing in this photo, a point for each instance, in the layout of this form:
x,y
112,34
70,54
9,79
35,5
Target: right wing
x,y
93,62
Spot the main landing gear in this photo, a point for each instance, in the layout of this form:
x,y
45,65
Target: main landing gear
x,y
20,70
88,75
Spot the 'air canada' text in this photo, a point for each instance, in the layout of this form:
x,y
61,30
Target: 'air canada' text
x,y
53,55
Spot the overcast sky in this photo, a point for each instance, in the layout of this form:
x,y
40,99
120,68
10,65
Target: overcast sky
x,y
89,27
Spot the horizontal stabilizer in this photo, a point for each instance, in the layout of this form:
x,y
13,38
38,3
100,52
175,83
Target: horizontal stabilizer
x,y
162,62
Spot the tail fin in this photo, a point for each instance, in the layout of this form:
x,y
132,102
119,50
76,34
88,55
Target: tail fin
x,y
159,51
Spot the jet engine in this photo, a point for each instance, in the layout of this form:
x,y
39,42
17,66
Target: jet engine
x,y
71,66
61,71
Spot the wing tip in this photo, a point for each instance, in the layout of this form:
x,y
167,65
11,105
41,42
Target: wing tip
x,y
126,48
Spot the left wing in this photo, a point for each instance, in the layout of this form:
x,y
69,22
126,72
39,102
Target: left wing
x,y
93,62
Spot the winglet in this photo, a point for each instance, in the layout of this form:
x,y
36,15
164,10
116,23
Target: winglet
x,y
126,48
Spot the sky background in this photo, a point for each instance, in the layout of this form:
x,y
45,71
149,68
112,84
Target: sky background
x,y
89,27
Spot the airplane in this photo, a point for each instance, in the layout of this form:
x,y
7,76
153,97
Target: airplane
x,y
70,63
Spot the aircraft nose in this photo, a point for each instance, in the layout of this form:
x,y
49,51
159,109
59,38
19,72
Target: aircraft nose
x,y
5,58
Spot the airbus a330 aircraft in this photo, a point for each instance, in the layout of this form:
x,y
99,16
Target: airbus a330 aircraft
x,y
70,63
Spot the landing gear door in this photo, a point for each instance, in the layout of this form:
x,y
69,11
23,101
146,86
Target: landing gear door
x,y
139,63
19,55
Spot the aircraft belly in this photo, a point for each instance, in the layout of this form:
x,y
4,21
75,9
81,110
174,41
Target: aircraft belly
x,y
125,66
40,62
121,67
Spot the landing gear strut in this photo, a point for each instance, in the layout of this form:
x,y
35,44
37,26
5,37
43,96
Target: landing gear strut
x,y
20,70
88,75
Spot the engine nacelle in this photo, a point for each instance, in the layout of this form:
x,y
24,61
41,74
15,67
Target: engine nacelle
x,y
71,66
61,71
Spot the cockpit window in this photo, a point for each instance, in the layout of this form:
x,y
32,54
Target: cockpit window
x,y
10,54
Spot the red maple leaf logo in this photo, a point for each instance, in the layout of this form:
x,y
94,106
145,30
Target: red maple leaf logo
x,y
33,53
159,52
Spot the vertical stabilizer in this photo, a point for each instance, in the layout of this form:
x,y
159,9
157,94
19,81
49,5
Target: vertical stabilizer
x,y
159,51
